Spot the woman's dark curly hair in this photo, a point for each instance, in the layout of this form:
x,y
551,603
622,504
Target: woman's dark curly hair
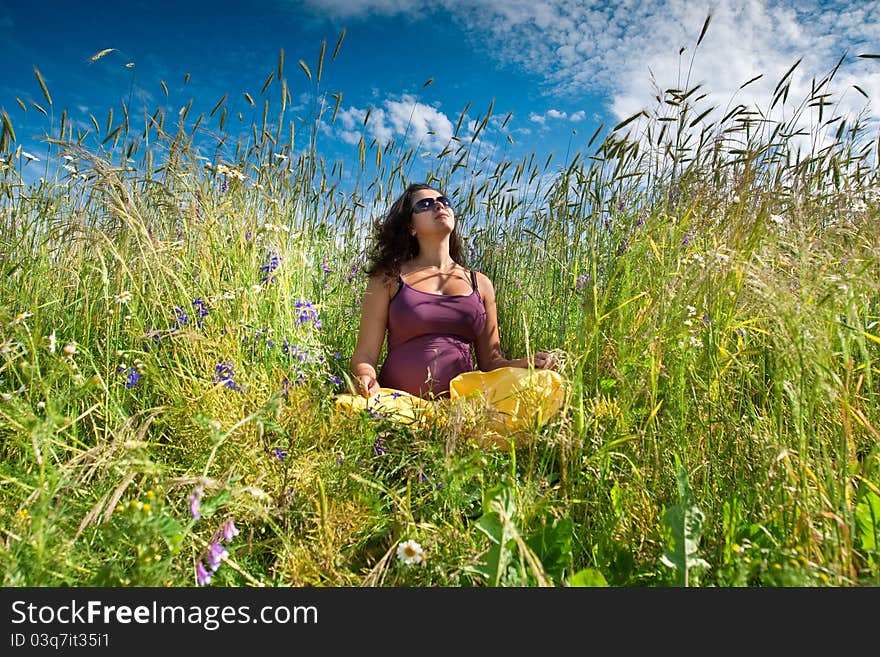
x,y
393,244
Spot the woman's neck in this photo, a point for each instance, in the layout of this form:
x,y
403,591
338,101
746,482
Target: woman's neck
x,y
439,258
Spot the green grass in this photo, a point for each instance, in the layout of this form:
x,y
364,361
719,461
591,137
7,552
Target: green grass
x,y
170,323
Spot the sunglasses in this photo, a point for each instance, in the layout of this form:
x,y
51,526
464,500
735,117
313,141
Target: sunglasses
x,y
428,203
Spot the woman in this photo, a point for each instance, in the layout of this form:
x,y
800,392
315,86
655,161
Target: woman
x,y
433,309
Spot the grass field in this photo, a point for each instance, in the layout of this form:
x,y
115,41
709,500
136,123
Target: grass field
x,y
176,320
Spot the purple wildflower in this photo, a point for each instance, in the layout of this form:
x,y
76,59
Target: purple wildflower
x,y
225,374
280,453
324,266
228,530
216,554
202,575
306,312
581,282
201,311
195,500
181,316
378,447
273,261
132,378
335,380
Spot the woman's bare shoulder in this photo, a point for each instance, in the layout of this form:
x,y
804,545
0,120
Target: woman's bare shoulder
x,y
483,281
382,282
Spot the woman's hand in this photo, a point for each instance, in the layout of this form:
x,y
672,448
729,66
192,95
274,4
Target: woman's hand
x,y
367,386
544,360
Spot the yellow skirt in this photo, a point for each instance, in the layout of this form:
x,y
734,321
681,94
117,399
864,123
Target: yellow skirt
x,y
504,400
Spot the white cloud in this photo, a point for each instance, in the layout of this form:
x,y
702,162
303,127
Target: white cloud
x,y
361,8
616,49
405,118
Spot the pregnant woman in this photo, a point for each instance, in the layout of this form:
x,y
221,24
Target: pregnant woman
x,y
437,315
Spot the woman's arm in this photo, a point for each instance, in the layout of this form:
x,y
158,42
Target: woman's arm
x,y
371,336
488,347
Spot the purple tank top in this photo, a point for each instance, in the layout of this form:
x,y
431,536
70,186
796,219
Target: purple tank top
x,y
430,338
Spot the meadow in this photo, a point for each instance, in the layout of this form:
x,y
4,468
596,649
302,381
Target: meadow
x,y
180,295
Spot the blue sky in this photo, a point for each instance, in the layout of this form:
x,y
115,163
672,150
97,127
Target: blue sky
x,y
560,68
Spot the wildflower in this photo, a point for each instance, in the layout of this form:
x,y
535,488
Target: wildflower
x,y
280,453
225,374
69,349
51,342
201,311
228,530
581,282
181,316
216,554
273,261
306,312
195,501
123,297
203,577
410,553
378,447
132,378
20,317
324,266
335,380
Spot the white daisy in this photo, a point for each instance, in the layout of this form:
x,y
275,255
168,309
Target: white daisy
x,y
410,553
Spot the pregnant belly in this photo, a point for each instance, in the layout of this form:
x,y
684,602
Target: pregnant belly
x,y
424,366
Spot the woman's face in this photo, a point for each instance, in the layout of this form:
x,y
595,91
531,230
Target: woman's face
x,y
430,212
